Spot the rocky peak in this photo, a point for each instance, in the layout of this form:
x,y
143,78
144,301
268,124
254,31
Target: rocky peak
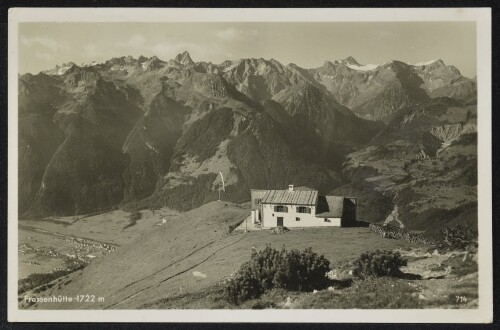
x,y
328,65
293,66
184,58
438,67
396,66
81,75
350,60
431,63
226,63
115,61
141,59
153,63
454,70
439,62
69,64
275,62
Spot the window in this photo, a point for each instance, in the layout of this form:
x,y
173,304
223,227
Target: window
x,y
281,208
303,209
297,219
257,201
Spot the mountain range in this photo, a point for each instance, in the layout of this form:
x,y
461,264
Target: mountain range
x,y
143,132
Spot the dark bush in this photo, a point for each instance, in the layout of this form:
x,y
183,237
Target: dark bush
x,y
377,264
267,269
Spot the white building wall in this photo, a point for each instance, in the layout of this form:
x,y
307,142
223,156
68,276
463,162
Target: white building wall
x,y
270,218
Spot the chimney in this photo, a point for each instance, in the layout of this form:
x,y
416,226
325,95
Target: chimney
x,y
290,187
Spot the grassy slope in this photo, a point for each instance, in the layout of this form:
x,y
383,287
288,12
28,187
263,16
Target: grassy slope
x,y
156,255
160,264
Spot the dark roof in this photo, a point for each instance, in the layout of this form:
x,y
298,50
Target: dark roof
x,y
301,197
330,207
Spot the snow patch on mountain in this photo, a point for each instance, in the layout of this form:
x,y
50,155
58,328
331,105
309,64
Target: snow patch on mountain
x,y
426,63
93,63
366,67
60,70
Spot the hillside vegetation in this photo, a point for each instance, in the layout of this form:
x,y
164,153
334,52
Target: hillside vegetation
x,y
425,163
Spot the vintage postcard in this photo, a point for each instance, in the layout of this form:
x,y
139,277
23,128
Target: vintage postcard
x,y
250,165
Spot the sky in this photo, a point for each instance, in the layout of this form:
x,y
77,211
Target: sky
x,y
309,45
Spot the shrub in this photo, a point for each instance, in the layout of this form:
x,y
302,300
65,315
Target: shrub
x,y
267,269
377,264
458,238
133,217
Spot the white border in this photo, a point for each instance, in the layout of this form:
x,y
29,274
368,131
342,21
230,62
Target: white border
x,y
482,17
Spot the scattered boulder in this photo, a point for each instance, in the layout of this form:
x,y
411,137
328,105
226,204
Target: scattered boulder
x,y
332,275
199,274
279,230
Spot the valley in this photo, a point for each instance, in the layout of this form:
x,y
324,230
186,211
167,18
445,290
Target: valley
x,y
47,245
119,179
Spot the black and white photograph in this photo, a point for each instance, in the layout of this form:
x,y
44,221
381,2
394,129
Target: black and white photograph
x,y
165,161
